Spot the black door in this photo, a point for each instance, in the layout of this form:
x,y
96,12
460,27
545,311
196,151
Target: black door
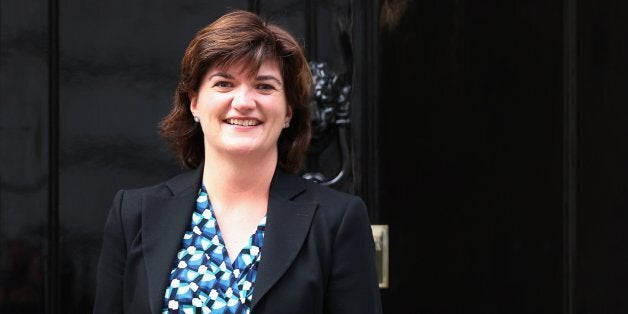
x,y
488,136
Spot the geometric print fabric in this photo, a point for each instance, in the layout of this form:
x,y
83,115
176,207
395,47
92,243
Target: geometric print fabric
x,y
203,279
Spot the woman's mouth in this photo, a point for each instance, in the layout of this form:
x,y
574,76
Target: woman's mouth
x,y
243,122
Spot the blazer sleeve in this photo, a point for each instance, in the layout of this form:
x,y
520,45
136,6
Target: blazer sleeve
x,y
110,271
353,286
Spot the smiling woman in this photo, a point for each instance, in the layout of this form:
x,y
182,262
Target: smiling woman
x,y
240,114
239,232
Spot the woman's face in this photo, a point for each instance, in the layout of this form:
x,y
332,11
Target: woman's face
x,y
241,115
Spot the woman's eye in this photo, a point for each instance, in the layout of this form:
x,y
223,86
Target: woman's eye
x,y
222,84
265,87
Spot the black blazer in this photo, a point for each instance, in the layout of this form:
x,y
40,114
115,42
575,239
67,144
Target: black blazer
x,y
318,254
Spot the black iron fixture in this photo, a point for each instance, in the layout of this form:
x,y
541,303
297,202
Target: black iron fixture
x,y
330,107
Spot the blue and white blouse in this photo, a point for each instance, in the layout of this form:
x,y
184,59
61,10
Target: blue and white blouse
x,y
203,278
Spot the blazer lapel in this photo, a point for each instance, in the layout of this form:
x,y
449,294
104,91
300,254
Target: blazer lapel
x,y
165,218
287,225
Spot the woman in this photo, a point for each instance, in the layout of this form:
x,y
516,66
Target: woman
x,y
240,232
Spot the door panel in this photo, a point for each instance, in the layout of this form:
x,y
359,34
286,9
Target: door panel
x,y
470,126
24,137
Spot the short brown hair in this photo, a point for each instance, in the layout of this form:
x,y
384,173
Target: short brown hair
x,y
241,36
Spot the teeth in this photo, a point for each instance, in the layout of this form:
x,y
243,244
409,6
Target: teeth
x,y
243,122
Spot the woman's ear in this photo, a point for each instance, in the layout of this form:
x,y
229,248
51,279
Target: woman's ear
x,y
193,101
289,113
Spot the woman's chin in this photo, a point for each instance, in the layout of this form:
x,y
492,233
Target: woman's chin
x,y
244,149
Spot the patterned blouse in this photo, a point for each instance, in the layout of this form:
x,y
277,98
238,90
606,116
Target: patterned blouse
x,y
203,278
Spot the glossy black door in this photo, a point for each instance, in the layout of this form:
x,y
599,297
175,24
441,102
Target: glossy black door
x,y
488,136
24,156
503,144
602,69
471,127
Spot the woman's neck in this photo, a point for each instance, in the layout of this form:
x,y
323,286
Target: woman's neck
x,y
238,178
238,190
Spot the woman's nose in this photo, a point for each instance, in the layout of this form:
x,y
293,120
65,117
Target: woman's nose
x,y
243,99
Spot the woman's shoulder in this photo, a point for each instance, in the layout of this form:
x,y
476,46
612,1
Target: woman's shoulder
x,y
333,205
326,190
323,194
188,180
